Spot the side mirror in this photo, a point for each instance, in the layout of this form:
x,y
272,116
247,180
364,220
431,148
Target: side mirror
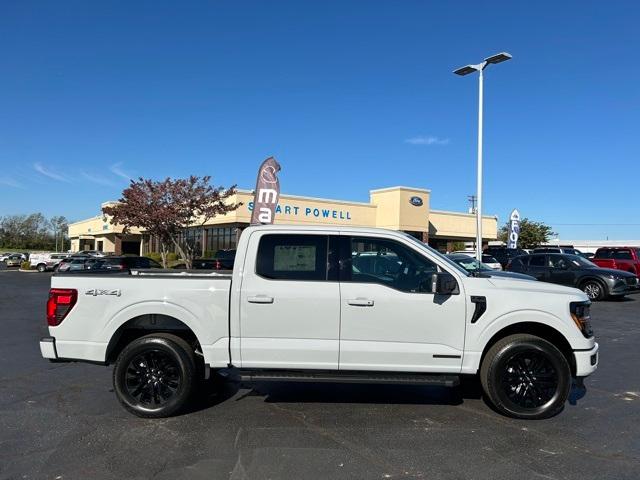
x,y
443,283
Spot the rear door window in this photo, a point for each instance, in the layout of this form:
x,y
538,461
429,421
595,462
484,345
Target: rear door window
x,y
603,253
537,261
293,257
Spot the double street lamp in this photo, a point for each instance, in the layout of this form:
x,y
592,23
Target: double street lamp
x,y
499,58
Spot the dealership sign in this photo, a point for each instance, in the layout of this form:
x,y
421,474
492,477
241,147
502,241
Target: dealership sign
x,y
267,193
308,211
514,229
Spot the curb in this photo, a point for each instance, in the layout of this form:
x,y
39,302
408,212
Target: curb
x,y
28,271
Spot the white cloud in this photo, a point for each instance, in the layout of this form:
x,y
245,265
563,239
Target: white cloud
x,y
116,169
99,180
10,183
38,167
427,140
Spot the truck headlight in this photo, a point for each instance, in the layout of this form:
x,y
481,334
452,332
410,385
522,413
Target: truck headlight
x,y
581,315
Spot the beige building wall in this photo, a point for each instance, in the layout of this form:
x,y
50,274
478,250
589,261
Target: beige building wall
x,y
397,208
454,225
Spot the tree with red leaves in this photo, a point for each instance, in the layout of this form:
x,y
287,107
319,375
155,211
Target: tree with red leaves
x,y
164,209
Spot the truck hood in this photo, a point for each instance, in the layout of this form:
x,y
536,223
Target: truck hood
x,y
504,283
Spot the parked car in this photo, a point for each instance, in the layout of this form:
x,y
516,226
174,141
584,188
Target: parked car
x,y
4,256
128,262
46,261
199,264
588,255
619,258
225,259
76,262
576,271
92,253
488,260
569,250
503,254
295,309
14,260
471,265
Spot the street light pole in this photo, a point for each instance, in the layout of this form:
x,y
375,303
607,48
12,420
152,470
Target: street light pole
x,y
500,57
479,176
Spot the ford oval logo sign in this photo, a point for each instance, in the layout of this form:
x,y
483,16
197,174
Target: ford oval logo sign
x,y
415,201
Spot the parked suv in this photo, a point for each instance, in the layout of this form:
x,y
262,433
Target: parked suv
x,y
619,258
576,271
568,250
503,254
126,263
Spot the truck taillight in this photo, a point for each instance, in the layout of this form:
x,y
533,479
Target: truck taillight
x,y
60,303
218,265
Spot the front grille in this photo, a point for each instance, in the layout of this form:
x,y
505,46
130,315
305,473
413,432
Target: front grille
x,y
632,281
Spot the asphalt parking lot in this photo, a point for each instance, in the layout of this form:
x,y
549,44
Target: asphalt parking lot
x,y
62,421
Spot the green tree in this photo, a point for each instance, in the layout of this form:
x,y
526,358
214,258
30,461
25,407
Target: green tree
x,y
532,234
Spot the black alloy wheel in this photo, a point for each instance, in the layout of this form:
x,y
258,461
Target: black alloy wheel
x,y
529,379
154,376
525,376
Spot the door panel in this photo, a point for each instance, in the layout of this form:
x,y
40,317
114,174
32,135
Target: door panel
x,y
561,271
390,320
289,309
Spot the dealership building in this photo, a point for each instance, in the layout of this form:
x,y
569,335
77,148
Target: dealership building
x,y
397,208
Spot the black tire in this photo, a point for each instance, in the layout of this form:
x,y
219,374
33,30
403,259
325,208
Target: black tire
x,y
155,375
42,268
594,289
524,376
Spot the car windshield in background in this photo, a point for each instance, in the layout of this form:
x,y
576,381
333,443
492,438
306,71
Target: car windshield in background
x,y
470,264
581,262
442,257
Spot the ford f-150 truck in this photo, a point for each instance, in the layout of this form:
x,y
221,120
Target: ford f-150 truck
x,y
332,304
619,258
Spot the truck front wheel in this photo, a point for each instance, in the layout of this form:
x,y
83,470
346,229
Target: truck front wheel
x,y
524,376
154,376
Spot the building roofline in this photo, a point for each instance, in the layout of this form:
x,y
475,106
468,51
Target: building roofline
x,y
400,187
461,214
316,199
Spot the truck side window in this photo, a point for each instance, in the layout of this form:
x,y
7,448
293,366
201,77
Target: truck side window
x,y
292,257
376,260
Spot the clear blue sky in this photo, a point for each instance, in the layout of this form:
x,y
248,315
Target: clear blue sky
x,y
94,92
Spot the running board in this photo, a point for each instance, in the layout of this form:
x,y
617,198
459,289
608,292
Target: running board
x,y
442,380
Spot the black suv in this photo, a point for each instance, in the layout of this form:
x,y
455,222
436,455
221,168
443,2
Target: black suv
x,y
503,254
125,263
568,250
576,271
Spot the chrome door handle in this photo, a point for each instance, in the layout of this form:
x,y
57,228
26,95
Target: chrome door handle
x,y
360,302
260,299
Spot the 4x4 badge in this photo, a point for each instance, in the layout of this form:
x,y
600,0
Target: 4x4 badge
x,y
97,291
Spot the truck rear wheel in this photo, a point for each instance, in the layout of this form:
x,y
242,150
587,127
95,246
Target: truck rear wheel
x,y
524,376
154,376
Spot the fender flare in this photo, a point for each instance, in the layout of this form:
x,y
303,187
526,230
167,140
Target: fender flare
x,y
153,308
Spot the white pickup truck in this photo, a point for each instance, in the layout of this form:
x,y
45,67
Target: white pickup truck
x,y
331,304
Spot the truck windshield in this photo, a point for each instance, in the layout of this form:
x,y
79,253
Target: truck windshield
x,y
442,257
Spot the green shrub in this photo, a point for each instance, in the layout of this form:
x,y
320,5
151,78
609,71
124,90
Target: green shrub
x,y
209,254
171,257
25,265
154,256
